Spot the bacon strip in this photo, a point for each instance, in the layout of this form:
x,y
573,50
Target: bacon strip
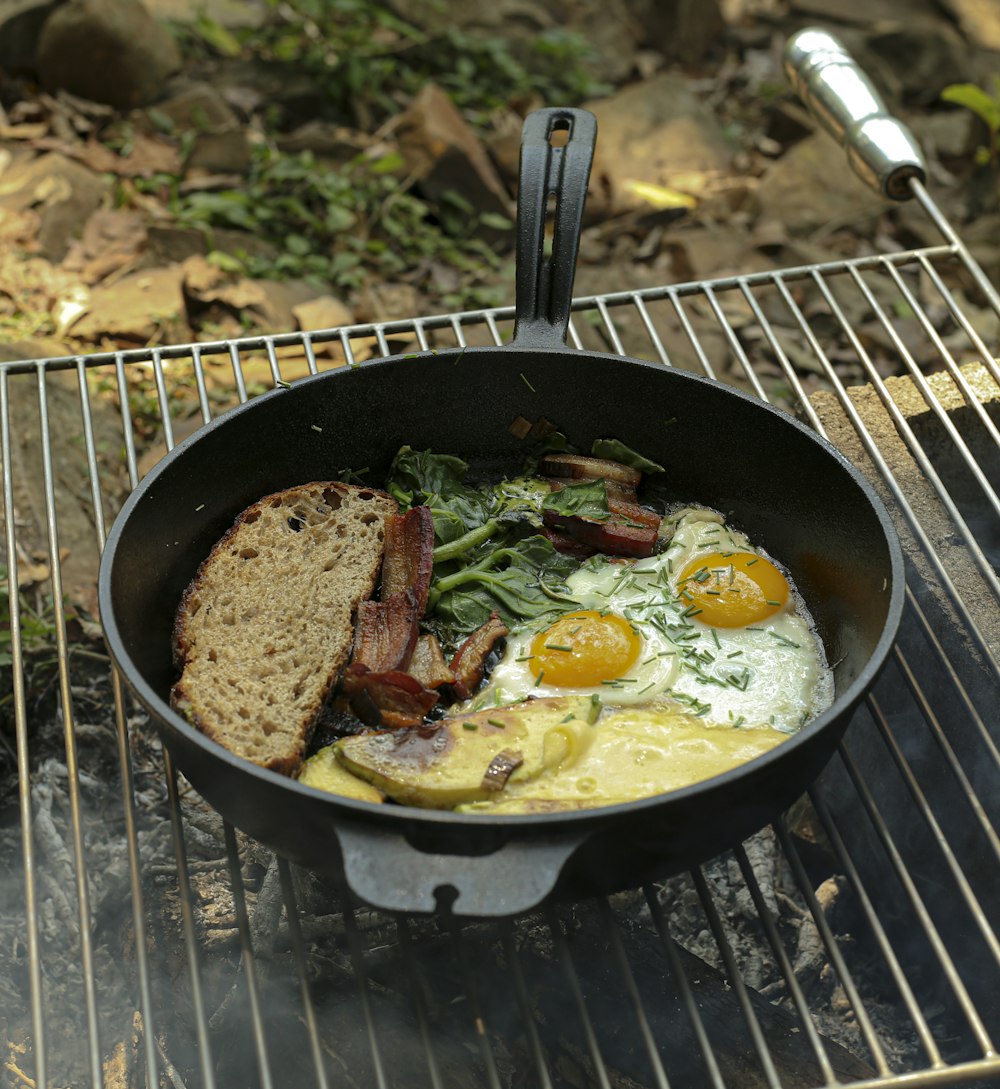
x,y
582,468
615,537
565,544
428,665
392,698
386,633
409,555
469,662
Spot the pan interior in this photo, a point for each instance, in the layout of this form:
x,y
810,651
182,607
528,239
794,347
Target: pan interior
x,y
772,478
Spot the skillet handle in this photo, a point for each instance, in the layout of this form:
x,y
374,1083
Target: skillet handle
x,y
384,870
545,283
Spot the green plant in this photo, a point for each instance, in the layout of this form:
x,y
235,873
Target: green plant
x,y
341,225
368,61
986,106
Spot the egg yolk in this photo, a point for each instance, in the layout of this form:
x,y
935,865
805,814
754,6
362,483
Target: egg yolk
x,y
732,590
584,648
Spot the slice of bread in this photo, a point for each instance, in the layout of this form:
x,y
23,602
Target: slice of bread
x,y
265,628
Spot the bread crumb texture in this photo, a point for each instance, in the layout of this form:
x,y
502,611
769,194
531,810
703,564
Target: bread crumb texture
x,y
265,628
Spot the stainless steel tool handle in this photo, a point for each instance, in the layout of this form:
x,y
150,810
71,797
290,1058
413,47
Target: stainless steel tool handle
x,y
881,150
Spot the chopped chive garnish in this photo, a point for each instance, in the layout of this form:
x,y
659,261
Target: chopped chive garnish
x,y
755,629
739,722
576,629
524,658
497,722
538,680
569,718
735,654
784,640
284,385
470,726
316,427
201,506
594,709
646,689
527,383
750,563
557,646
774,604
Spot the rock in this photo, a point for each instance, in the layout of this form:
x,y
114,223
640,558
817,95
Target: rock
x,y
172,245
110,51
811,186
231,14
21,22
141,308
198,106
325,140
225,152
920,58
867,12
656,132
979,21
684,31
444,155
220,145
947,134
111,239
62,193
325,312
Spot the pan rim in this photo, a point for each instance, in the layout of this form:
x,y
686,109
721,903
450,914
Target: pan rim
x,y
392,815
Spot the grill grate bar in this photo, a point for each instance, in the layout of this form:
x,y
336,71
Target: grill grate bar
x,y
906,432
947,750
736,346
801,1006
878,931
361,975
247,959
479,1021
576,993
929,396
937,833
684,988
418,991
958,315
736,980
298,948
205,1065
69,738
877,458
916,901
871,1039
21,741
620,957
949,360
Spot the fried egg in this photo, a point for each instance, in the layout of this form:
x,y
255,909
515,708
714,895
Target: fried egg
x,y
710,625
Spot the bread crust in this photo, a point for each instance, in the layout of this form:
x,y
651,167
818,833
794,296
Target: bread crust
x,y
265,627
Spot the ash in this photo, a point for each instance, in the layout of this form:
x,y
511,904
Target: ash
x,y
462,997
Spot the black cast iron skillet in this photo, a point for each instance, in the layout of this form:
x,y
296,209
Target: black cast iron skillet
x,y
794,494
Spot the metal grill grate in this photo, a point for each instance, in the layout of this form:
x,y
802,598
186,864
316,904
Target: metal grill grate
x,y
854,942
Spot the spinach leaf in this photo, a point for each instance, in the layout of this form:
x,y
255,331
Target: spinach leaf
x,y
615,450
415,473
509,580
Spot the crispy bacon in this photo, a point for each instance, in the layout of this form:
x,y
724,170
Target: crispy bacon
x,y
386,633
630,511
409,555
565,544
622,501
391,698
582,468
428,664
615,537
469,662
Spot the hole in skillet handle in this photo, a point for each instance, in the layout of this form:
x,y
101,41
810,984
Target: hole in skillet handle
x,y
557,150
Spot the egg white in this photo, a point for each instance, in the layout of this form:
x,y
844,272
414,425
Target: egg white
x,y
773,673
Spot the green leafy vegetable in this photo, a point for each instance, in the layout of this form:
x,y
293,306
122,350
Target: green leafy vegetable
x,y
613,450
